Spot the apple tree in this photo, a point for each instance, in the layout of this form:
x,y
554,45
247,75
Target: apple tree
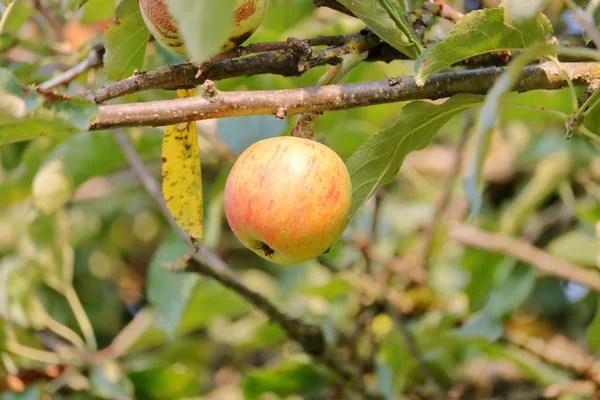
x,y
294,199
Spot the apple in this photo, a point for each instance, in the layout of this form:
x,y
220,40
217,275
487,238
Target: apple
x,y
248,15
287,199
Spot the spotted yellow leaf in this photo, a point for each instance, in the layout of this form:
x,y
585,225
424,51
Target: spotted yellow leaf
x,y
181,173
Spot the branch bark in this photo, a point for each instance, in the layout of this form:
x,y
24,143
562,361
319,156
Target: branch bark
x,y
273,58
336,97
543,262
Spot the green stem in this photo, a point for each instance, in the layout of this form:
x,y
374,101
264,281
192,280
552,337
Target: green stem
x,y
574,102
81,317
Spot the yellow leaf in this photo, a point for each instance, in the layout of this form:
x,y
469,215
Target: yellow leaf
x,y
182,179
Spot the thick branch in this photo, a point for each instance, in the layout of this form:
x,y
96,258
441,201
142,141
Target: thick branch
x,y
275,61
542,261
335,97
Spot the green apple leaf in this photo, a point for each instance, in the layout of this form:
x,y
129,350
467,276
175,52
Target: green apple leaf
x,y
377,161
81,157
306,380
205,25
480,32
14,17
487,120
26,114
593,333
169,292
126,40
387,19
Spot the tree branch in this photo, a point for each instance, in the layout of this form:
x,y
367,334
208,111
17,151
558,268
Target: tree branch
x,y
543,262
93,60
335,97
281,59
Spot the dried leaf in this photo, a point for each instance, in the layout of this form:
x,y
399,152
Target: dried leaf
x,y
181,172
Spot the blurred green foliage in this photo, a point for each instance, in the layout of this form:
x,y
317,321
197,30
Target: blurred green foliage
x,y
90,226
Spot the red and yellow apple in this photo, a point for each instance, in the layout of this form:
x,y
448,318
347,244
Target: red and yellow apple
x,y
247,17
287,199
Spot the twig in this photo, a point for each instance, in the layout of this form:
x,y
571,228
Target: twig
x,y
206,263
367,310
93,60
204,254
282,62
334,97
445,198
449,13
543,262
558,350
412,347
55,23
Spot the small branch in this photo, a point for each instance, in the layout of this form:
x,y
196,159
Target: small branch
x,y
542,261
309,336
204,254
412,347
558,350
282,62
335,97
93,60
206,263
449,13
444,202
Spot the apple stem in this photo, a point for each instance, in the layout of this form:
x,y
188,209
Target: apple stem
x,y
266,249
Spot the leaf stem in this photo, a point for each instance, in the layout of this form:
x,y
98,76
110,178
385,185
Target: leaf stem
x,y
81,317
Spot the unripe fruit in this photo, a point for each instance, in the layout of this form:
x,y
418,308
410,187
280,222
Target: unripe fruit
x,y
287,199
248,15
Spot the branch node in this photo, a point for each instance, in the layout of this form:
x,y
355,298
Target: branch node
x,y
303,50
391,81
211,93
281,113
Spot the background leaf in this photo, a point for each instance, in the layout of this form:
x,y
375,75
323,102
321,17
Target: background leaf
x,y
480,32
386,18
204,25
25,114
377,161
126,40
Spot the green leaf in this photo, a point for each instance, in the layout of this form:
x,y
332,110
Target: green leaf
x,y
304,380
109,382
546,179
26,114
487,120
80,158
126,40
204,25
593,332
169,292
482,326
481,266
480,32
577,246
377,161
512,291
14,17
386,18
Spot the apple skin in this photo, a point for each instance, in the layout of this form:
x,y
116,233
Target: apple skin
x,y
248,15
287,199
